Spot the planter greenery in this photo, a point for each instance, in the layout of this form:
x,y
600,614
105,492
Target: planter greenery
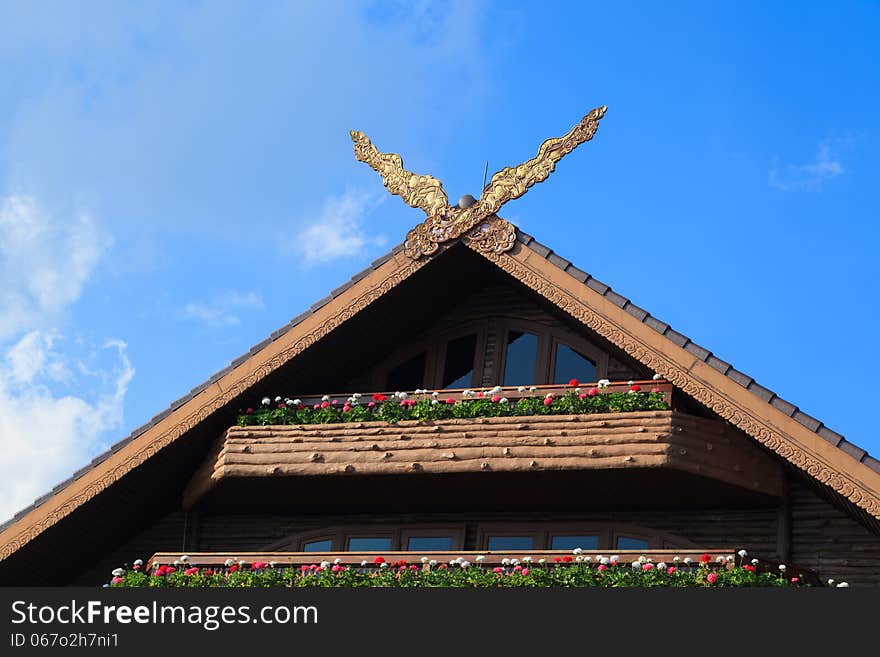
x,y
424,405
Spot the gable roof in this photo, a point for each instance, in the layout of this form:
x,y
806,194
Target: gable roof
x,y
779,425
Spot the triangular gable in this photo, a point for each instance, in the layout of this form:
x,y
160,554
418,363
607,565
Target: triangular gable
x,y
778,425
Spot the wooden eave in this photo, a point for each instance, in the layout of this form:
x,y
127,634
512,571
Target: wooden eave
x,y
778,425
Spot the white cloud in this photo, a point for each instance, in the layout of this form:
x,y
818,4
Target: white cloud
x,y
339,230
45,435
44,263
220,311
810,176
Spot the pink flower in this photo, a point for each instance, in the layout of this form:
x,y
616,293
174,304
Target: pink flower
x,y
548,401
583,395
191,571
496,398
249,411
517,569
325,404
653,390
282,405
118,580
413,567
304,568
670,570
346,408
593,392
498,570
450,401
794,580
647,566
316,406
525,571
711,578
256,565
334,402
480,394
371,404
601,567
337,568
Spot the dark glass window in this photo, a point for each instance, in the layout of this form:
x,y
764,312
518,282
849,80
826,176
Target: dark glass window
x,y
572,365
628,543
322,545
409,375
458,371
522,352
429,543
572,542
506,543
369,543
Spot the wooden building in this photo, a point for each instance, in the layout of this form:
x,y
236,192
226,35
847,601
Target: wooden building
x,y
730,465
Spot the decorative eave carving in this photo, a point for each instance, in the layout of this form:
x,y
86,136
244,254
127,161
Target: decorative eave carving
x,y
478,222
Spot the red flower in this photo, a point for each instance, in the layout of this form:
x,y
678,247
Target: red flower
x,y
304,568
751,569
711,578
636,387
413,567
337,568
249,411
593,392
378,560
325,404
496,398
191,571
208,572
450,401
794,580
557,559
567,558
443,566
282,405
574,383
232,569
705,558
346,408
256,565
379,397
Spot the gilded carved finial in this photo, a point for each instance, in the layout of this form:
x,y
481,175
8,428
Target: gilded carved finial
x,y
477,221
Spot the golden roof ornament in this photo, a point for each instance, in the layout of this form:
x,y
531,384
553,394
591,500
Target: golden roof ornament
x,y
475,220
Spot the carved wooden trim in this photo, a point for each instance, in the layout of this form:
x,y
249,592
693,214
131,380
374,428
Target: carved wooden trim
x,y
724,405
141,451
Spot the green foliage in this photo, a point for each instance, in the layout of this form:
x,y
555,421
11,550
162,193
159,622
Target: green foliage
x,y
428,407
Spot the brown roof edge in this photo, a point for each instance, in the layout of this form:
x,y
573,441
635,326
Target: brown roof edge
x,y
384,274
538,259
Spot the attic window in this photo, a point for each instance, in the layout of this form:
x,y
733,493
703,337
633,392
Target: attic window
x,y
520,358
458,370
570,364
409,375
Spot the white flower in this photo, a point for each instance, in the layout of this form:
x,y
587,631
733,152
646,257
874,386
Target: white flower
x,y
719,559
657,377
266,401
325,398
383,565
830,582
467,393
642,559
424,559
505,562
277,399
577,550
241,563
533,388
661,565
782,567
435,394
497,390
629,383
843,585
297,402
459,559
579,558
272,564
614,559
675,559
138,562
364,562
603,383
527,560
588,559
729,557
542,561
549,395
325,564
357,395
417,391
337,561
118,572
434,402
402,395
432,563
514,562
687,560
604,560
636,565
754,562
520,388
480,558
228,563
176,562
742,553
465,564
503,400
184,558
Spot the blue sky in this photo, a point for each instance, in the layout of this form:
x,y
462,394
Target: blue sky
x,y
177,181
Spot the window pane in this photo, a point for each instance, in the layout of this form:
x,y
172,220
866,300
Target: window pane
x,y
458,372
506,543
409,375
626,543
572,365
522,353
369,543
572,542
429,543
323,545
